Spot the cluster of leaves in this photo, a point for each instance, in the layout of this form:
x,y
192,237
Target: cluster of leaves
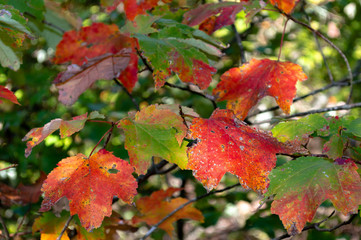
x,y
172,48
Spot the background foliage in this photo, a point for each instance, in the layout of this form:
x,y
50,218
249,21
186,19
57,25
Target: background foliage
x,y
229,215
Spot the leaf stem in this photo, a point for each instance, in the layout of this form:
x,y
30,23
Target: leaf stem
x,y
107,132
283,35
136,105
11,166
99,121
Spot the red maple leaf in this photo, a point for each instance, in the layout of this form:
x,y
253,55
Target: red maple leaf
x,y
132,8
7,94
244,86
226,144
205,15
302,185
80,47
90,184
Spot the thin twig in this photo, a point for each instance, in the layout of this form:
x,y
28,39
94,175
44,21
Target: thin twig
x,y
65,227
239,43
322,110
46,22
144,60
207,96
11,166
100,121
136,105
21,223
105,134
283,36
154,169
6,231
341,83
154,227
332,45
319,48
316,226
109,136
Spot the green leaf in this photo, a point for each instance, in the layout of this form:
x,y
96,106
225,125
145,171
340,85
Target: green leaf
x,y
302,185
154,132
334,147
8,56
34,7
355,127
300,129
142,24
13,19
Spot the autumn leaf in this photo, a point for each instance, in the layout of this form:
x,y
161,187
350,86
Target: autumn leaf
x,y
93,43
51,226
207,12
67,128
243,87
7,94
89,42
161,207
22,194
75,80
90,184
226,144
154,132
132,8
302,185
182,56
285,5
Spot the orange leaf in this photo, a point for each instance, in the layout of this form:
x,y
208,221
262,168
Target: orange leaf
x,y
226,144
285,5
161,207
7,94
243,87
90,184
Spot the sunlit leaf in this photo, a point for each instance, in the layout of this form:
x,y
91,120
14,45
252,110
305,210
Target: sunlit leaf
x,y
244,86
285,5
226,144
67,128
154,132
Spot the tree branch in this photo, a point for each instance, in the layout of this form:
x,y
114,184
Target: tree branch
x,y
6,231
136,105
182,206
46,22
207,96
239,43
329,109
332,45
316,226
